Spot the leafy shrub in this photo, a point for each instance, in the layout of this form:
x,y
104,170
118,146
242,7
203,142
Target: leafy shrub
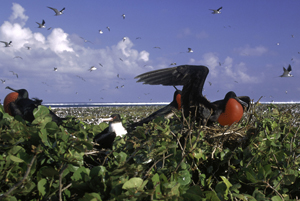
x,y
256,159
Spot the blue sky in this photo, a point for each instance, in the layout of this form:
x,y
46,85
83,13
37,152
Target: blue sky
x,y
252,40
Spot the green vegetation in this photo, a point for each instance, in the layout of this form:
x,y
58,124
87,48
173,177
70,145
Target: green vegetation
x,y
256,159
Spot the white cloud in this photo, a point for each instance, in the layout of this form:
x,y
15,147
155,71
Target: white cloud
x,y
58,41
59,49
188,32
202,35
184,32
251,51
236,72
18,14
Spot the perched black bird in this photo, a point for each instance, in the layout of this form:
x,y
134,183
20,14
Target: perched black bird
x,y
106,138
193,102
166,112
18,103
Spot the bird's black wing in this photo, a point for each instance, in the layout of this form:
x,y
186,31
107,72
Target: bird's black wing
x,y
179,75
165,111
192,78
289,68
105,139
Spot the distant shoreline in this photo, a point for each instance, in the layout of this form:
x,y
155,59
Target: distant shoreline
x,y
91,105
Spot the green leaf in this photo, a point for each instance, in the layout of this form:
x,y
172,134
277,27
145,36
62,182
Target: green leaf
x,y
228,184
48,171
193,193
51,127
289,179
134,182
258,195
41,111
42,186
16,159
90,197
276,198
184,177
44,137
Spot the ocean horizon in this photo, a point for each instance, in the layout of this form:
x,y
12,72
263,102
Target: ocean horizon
x,y
100,104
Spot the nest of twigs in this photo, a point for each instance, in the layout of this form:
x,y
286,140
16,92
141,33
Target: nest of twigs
x,y
238,134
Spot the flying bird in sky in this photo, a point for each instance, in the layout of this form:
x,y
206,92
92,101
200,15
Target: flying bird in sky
x,y
14,74
56,11
41,25
100,31
18,57
190,50
287,72
123,16
108,28
85,40
7,44
80,77
55,69
218,11
92,68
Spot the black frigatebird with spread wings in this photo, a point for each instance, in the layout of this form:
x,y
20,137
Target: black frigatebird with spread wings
x,y
192,77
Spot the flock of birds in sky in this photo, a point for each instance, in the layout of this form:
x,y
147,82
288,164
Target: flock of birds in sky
x,y
286,73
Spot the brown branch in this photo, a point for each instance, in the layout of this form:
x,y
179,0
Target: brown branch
x,y
155,164
60,181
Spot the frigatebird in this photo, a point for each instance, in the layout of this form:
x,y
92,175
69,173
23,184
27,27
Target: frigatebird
x,y
193,77
106,138
18,103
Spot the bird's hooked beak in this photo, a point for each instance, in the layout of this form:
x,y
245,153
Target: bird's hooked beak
x,y
11,89
106,119
242,102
